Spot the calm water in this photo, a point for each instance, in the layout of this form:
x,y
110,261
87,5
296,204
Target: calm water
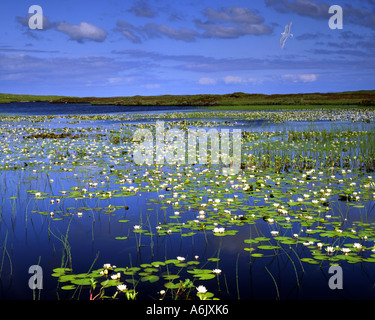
x,y
45,108
29,236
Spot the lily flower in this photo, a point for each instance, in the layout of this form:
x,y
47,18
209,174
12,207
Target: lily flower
x,y
330,249
201,289
121,287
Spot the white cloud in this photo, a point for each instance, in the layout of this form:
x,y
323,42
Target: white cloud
x,y
226,23
207,81
241,80
307,8
231,22
142,9
234,79
295,78
82,31
114,80
151,86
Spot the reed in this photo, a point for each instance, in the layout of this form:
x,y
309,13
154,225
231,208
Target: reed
x,y
275,283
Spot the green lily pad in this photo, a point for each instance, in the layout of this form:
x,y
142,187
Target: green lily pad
x,y
199,271
204,276
110,283
262,239
68,287
213,259
257,255
81,282
171,276
150,278
150,270
158,263
174,261
250,241
171,285
266,247
310,260
68,277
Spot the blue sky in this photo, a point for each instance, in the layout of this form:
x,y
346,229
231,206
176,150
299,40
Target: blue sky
x,y
155,47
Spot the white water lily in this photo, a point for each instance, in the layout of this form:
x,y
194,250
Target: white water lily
x,y
137,227
201,289
180,258
216,271
330,249
219,230
121,287
357,245
115,276
345,250
309,243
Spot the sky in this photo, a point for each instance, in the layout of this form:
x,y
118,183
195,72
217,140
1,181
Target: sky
x,y
156,47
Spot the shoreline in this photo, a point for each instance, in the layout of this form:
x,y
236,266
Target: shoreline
x,y
215,101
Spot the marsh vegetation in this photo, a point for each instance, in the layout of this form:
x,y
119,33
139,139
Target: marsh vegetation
x,y
102,227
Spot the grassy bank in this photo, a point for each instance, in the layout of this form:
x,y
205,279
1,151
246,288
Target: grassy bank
x,y
8,98
240,100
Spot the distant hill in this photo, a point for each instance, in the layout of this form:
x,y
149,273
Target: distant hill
x,y
361,98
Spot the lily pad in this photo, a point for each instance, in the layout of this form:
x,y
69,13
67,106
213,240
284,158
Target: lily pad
x,y
150,278
68,287
257,255
171,276
81,282
158,263
310,260
266,247
171,285
204,276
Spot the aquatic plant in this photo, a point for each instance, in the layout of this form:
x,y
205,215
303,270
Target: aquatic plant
x,y
305,197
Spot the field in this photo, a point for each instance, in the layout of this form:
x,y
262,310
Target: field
x,y
237,99
104,227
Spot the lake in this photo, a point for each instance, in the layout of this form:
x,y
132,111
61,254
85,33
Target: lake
x,y
75,203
